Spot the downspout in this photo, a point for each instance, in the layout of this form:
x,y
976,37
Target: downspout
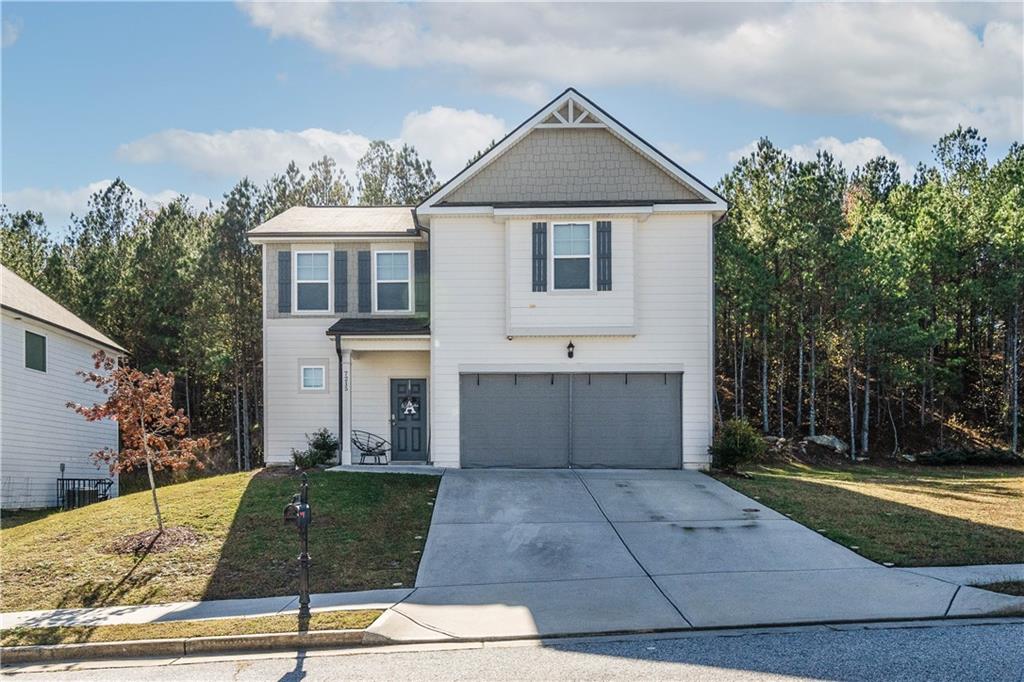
x,y
341,396
420,228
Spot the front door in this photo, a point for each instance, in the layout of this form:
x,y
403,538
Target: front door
x,y
408,420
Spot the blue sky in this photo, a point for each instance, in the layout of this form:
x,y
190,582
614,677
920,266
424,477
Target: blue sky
x,y
188,97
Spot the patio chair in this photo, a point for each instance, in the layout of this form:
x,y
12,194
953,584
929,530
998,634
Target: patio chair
x,y
371,445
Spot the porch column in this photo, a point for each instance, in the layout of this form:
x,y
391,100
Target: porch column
x,y
345,372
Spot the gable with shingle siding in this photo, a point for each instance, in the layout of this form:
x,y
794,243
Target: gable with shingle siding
x,y
570,165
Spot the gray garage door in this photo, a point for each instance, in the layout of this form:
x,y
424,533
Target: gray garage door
x,y
580,420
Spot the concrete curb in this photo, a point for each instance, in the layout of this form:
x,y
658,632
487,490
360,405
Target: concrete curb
x,y
183,646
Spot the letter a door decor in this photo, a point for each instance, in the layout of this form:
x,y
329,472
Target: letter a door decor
x,y
408,420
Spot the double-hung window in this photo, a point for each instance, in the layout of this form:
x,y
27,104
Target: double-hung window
x,y
392,281
571,255
313,377
312,281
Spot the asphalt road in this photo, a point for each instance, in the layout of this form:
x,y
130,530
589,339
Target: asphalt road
x,y
990,652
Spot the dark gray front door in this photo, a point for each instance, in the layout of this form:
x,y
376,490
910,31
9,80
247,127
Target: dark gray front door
x,y
408,420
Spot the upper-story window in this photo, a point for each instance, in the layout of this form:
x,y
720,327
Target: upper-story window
x,y
312,281
392,281
571,255
35,351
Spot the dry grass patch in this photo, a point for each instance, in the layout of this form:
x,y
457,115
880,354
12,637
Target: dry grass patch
x,y
364,536
907,515
329,620
1013,587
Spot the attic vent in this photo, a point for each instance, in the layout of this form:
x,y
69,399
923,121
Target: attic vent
x,y
571,114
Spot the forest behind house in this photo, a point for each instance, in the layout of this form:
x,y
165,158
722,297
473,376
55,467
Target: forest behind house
x,y
849,302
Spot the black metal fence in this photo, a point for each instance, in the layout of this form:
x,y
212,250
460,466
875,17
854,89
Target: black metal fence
x,y
78,492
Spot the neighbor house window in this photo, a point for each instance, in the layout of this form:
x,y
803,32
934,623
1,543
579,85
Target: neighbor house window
x,y
392,281
571,255
313,378
312,281
35,351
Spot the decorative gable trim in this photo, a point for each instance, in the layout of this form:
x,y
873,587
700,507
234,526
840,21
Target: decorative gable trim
x,y
571,109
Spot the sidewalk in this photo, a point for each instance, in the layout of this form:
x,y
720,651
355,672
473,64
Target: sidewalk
x,y
199,610
479,614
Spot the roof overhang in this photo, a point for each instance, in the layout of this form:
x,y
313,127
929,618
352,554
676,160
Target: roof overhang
x,y
593,117
99,342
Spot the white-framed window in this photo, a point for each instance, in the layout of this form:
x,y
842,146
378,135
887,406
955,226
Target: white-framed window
x,y
572,256
35,351
312,282
313,377
392,281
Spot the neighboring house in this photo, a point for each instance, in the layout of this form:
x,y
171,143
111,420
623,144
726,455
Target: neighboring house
x,y
549,306
44,345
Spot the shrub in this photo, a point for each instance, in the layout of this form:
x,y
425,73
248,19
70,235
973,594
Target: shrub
x,y
736,443
322,448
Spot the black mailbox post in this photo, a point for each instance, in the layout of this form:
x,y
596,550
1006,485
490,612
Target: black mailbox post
x,y
300,513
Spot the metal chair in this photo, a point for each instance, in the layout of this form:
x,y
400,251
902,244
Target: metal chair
x,y
371,445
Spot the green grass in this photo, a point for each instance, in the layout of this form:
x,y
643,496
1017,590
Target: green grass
x,y
329,620
909,516
1013,587
363,536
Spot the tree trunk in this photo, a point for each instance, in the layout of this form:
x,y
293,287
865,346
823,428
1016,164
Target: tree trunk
x,y
800,386
149,469
781,383
188,404
246,445
866,417
743,377
811,415
152,489
238,433
764,378
895,433
850,401
1015,381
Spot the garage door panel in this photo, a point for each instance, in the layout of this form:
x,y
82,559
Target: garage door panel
x,y
510,420
627,420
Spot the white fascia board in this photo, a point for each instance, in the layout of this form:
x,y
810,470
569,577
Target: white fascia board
x,y
570,367
330,238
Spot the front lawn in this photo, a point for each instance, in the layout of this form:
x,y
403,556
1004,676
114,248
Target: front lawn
x,y
906,515
368,531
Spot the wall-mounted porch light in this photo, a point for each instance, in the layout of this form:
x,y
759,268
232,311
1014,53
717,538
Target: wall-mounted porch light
x,y
571,348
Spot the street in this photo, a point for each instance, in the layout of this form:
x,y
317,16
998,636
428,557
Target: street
x,y
949,651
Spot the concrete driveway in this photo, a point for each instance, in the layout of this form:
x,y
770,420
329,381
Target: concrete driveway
x,y
516,553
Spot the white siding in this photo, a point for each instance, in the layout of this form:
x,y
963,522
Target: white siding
x,y
291,413
38,432
545,312
672,319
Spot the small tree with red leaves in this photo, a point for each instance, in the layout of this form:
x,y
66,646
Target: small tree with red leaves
x,y
153,433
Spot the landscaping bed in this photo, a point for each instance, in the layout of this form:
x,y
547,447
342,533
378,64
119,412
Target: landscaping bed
x,y
216,627
904,515
368,532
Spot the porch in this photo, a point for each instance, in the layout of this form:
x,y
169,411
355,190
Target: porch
x,y
383,382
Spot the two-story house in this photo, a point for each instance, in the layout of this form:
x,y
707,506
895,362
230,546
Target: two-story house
x,y
45,448
549,306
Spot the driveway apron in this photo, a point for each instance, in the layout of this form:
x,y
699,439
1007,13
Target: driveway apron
x,y
521,553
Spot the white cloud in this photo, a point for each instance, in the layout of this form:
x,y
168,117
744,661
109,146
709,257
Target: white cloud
x,y
254,152
921,67
852,154
450,137
57,204
447,137
11,32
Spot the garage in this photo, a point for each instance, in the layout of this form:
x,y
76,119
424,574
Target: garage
x,y
592,420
